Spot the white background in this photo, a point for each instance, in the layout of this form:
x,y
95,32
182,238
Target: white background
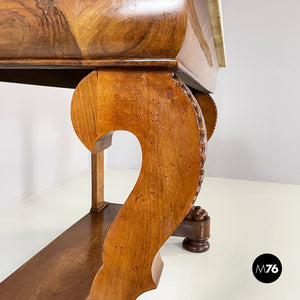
x,y
257,136
38,147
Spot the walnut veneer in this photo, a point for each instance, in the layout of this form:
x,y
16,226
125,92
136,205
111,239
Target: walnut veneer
x,y
137,65
96,33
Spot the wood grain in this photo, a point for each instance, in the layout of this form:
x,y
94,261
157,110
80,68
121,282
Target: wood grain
x,y
160,111
65,269
90,28
98,202
97,33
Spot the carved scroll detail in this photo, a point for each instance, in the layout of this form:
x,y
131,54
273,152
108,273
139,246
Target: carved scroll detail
x,y
202,131
167,120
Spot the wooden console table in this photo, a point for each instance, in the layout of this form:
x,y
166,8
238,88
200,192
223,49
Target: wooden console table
x,y
145,66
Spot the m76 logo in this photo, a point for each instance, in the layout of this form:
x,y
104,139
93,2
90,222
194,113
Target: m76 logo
x,y
267,269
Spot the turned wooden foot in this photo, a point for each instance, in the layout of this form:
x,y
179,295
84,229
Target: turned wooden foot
x,y
195,246
198,221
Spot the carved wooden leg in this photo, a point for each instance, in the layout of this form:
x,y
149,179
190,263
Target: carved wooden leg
x,y
196,225
167,120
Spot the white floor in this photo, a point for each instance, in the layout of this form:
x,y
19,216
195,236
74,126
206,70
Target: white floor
x,y
248,219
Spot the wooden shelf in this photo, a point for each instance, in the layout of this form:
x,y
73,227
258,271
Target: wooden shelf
x,y
65,268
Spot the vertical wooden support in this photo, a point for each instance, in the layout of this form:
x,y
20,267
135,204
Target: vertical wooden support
x,y
167,120
98,182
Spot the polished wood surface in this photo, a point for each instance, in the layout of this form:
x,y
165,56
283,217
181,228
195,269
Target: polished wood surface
x,y
91,28
97,33
65,269
172,42
160,110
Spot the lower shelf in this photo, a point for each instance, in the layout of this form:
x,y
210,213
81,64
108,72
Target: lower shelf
x,y
65,269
